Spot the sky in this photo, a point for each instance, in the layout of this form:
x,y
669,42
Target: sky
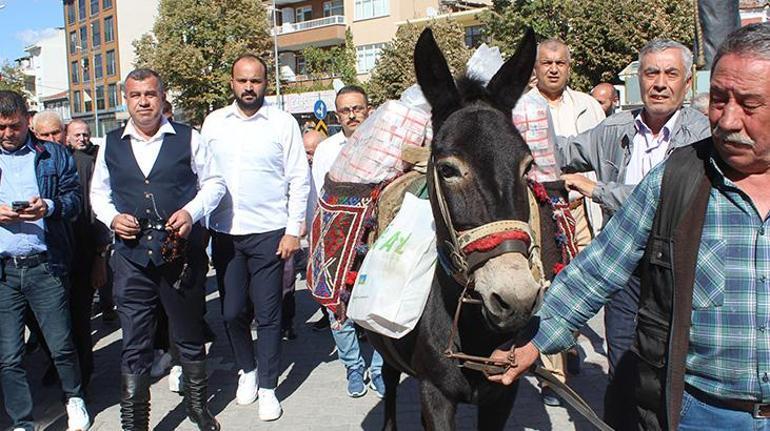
x,y
24,22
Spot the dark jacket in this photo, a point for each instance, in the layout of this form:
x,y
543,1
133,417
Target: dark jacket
x,y
90,233
667,271
57,180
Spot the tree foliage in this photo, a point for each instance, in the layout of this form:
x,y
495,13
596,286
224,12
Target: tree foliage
x,y
12,78
335,62
394,71
194,43
604,36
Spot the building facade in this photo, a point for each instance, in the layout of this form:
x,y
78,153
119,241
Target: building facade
x,y
43,68
99,37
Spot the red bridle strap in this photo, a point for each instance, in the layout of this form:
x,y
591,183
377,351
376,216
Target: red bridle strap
x,y
491,241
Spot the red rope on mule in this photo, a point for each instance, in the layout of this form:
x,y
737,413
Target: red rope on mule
x,y
491,241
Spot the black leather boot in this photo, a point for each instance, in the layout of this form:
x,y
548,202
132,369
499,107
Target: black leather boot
x,y
135,402
195,384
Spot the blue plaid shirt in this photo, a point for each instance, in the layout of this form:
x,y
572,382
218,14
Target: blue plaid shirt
x,y
729,353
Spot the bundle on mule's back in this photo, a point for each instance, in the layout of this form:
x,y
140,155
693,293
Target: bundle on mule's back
x,y
345,221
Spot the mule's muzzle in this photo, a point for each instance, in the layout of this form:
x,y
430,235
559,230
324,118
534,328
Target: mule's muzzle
x,y
508,291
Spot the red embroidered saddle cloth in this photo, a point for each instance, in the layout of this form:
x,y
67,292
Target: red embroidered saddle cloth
x,y
345,213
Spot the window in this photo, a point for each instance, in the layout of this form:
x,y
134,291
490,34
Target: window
x,y
301,67
112,95
86,70
74,72
77,103
366,9
100,97
106,4
94,7
110,63
87,101
82,9
71,18
73,42
96,34
334,7
366,56
83,38
474,36
304,13
98,66
109,34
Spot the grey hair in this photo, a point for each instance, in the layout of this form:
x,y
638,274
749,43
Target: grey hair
x,y
145,73
552,43
658,45
47,117
751,39
700,102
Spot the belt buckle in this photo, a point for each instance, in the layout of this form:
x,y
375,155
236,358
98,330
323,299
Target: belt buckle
x,y
761,410
19,261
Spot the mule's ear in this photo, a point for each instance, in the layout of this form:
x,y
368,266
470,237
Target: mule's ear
x,y
512,78
435,79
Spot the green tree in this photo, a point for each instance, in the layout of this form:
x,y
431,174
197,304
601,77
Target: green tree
x,y
12,78
603,35
335,62
194,43
394,71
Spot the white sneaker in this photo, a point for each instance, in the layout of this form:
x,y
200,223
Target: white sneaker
x,y
175,379
247,388
77,416
269,407
160,364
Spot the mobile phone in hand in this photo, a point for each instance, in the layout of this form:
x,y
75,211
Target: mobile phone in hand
x,y
17,206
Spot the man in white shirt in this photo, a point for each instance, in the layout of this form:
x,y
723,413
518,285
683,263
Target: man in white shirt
x,y
153,181
572,112
352,108
257,225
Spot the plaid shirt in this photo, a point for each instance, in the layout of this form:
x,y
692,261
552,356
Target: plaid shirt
x,y
729,353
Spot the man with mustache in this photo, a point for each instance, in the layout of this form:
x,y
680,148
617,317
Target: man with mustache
x,y
352,108
154,180
39,195
48,126
622,149
256,227
698,229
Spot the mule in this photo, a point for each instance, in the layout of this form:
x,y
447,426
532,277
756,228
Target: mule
x,y
480,161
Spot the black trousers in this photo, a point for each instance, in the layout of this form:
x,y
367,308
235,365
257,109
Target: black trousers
x,y
81,300
138,291
249,275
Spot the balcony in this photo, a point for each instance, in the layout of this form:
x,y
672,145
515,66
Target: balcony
x,y
327,31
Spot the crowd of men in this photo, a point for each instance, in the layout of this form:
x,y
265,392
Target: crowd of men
x,y
140,210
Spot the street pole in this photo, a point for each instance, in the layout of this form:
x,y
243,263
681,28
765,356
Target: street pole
x,y
275,52
94,99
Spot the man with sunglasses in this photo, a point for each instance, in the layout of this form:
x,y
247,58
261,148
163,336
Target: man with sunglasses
x,y
153,181
352,106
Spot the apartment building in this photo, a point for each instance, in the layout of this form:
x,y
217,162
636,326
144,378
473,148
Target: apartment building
x,y
99,36
322,23
43,68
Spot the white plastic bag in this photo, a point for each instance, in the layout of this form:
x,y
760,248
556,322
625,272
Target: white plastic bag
x,y
394,280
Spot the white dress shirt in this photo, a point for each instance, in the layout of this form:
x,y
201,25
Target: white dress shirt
x,y
648,150
211,185
325,155
264,165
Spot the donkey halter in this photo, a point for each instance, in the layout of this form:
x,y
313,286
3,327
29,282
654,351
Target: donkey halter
x,y
470,249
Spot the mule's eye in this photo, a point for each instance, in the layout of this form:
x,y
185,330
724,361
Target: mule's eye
x,y
528,168
448,171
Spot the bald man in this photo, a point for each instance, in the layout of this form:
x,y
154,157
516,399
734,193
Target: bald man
x,y
607,96
48,126
310,140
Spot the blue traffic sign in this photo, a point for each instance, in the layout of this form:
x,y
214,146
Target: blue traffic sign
x,y
319,109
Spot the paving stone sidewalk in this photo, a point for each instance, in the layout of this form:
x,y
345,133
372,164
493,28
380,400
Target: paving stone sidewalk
x,y
311,387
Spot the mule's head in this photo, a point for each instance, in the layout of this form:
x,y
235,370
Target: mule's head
x,y
480,161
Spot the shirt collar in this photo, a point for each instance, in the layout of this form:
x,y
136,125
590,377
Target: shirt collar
x,y
28,146
665,131
236,112
165,128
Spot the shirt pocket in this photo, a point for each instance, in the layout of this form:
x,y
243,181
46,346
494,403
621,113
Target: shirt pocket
x,y
709,289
